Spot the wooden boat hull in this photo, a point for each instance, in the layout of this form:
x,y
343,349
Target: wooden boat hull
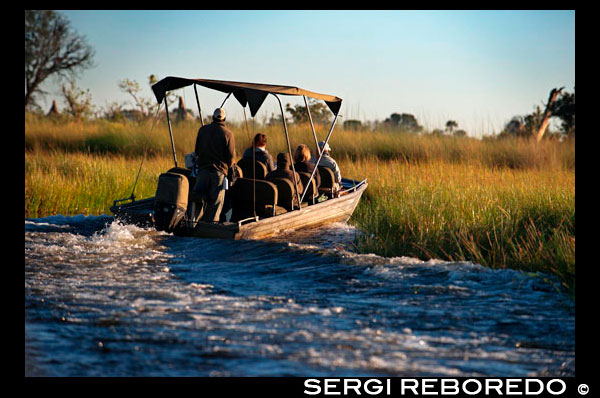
x,y
333,210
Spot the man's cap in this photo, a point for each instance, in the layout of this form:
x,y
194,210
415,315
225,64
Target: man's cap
x,y
219,114
324,146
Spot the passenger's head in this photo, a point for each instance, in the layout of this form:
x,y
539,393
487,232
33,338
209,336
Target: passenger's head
x,y
283,160
260,140
323,146
219,115
302,154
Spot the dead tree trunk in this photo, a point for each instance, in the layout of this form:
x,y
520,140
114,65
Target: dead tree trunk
x,y
547,113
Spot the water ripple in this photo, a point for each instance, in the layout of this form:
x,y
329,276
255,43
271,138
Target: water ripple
x,y
107,299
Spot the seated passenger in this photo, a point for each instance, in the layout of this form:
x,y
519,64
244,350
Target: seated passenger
x,y
260,151
328,161
302,164
284,170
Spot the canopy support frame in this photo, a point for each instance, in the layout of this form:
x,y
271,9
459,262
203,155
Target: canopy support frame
x,y
226,98
289,150
198,103
253,166
312,126
299,198
322,152
170,132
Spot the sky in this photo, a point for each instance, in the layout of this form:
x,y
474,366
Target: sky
x,y
479,68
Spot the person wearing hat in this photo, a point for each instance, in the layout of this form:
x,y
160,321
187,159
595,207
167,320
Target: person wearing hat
x,y
328,161
215,147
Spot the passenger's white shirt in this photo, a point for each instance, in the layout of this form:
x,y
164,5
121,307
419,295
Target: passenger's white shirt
x,y
328,161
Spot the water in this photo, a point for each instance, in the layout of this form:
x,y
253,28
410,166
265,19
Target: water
x,y
105,299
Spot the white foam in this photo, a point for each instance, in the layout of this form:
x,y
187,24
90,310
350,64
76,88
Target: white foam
x,y
43,224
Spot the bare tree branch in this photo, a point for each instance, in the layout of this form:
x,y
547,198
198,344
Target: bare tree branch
x,y
548,112
51,48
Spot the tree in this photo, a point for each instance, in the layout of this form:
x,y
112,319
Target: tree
x,y
133,88
51,48
352,124
524,126
276,120
146,106
113,111
515,127
319,112
404,122
547,112
79,102
564,109
532,122
450,125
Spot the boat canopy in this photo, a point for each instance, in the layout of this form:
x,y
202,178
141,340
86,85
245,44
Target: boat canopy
x,y
252,94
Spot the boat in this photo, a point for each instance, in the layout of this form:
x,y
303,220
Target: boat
x,y
260,208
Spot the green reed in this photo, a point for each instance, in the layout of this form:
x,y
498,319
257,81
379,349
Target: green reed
x,y
65,183
151,138
500,203
500,218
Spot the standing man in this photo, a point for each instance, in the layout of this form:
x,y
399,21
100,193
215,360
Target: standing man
x,y
215,147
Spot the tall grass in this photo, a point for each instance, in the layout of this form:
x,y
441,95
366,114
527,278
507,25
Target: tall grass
x,y
152,138
500,203
500,218
64,183
98,136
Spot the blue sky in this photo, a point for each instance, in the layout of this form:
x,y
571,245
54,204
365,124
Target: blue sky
x,y
479,68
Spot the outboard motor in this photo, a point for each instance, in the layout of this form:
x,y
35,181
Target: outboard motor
x,y
170,201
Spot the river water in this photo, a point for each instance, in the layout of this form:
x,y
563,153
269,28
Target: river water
x,y
106,299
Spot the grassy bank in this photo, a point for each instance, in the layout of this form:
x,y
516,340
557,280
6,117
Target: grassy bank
x,y
150,138
76,183
500,218
502,204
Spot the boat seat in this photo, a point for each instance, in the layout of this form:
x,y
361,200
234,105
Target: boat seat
x,y
327,181
311,190
239,172
245,164
286,193
266,199
180,170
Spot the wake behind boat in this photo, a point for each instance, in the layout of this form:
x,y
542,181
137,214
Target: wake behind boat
x,y
260,207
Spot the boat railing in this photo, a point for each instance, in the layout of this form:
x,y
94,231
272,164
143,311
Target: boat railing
x,y
246,220
354,186
193,224
131,198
